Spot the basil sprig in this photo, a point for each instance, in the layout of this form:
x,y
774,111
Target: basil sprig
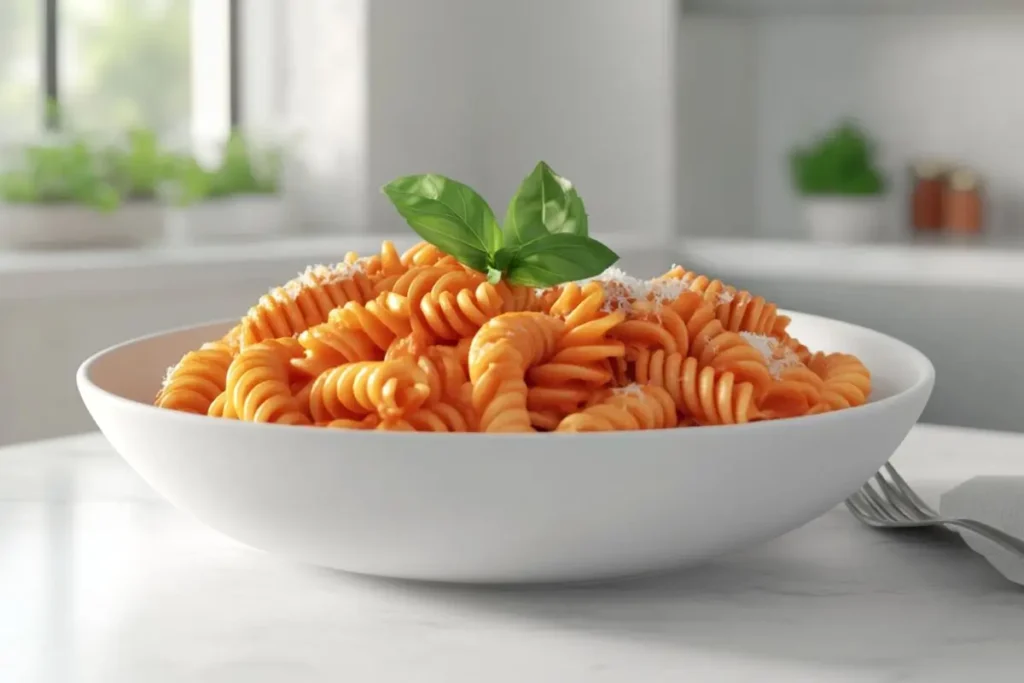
x,y
545,203
544,241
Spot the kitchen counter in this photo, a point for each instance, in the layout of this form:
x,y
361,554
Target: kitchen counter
x,y
963,264
103,582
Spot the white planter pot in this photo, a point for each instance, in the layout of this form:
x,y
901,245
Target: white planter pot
x,y
248,217
843,219
48,226
139,223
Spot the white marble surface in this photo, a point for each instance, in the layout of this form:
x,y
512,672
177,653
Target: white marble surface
x,y
102,582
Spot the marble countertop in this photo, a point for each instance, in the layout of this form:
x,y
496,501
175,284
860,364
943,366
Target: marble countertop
x,y
103,582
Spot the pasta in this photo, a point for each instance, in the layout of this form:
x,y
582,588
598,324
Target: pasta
x,y
355,390
257,387
197,380
582,360
419,342
627,408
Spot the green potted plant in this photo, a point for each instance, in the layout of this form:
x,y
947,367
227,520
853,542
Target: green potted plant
x,y
138,168
840,185
56,194
241,197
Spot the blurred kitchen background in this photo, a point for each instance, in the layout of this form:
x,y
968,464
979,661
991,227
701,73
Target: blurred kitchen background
x,y
164,162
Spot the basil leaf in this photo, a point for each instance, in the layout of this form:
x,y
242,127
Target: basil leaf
x,y
501,258
449,215
546,203
558,258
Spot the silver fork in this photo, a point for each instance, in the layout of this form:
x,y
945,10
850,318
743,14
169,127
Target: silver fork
x,y
888,502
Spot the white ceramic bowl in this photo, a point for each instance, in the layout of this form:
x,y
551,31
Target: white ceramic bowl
x,y
508,508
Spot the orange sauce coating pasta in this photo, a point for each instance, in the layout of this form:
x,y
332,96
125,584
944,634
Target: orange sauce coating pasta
x,y
419,342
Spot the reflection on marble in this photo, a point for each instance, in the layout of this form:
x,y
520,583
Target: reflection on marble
x,y
101,582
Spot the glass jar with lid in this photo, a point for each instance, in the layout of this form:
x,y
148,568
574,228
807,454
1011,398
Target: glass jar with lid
x,y
928,186
963,202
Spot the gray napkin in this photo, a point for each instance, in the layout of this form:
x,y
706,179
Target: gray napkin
x,y
999,502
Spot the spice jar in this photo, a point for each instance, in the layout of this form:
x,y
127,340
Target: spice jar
x,y
929,184
962,203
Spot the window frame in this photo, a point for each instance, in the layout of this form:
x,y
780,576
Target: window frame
x,y
50,63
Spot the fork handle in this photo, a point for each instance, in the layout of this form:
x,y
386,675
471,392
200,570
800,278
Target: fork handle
x,y
1000,538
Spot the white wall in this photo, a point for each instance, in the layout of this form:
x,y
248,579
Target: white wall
x,y
589,86
422,97
323,83
934,85
482,91
718,123
943,86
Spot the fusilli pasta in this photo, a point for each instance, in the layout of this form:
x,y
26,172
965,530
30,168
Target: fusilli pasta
x,y
197,380
419,342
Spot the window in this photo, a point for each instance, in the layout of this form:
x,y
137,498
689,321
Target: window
x,y
20,67
113,64
125,63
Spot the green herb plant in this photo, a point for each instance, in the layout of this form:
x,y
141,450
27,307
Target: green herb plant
x,y
59,173
189,181
140,167
244,170
839,163
545,238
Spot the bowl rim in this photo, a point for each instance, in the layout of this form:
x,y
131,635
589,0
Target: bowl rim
x,y
920,361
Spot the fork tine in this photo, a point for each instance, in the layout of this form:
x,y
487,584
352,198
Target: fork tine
x,y
862,510
884,507
865,506
870,498
907,491
898,500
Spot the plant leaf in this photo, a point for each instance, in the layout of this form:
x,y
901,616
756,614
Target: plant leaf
x,y
842,162
545,203
449,215
494,275
501,258
558,258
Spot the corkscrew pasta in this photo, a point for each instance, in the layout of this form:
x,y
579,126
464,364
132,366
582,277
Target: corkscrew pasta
x,y
419,342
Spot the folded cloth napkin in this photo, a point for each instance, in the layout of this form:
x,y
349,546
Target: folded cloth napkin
x,y
998,502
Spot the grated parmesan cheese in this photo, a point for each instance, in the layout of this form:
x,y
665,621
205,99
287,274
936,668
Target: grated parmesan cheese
x,y
345,271
633,389
623,291
765,345
724,296
777,356
320,274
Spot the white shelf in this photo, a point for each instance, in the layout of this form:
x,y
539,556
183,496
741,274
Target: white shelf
x,y
849,7
960,265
